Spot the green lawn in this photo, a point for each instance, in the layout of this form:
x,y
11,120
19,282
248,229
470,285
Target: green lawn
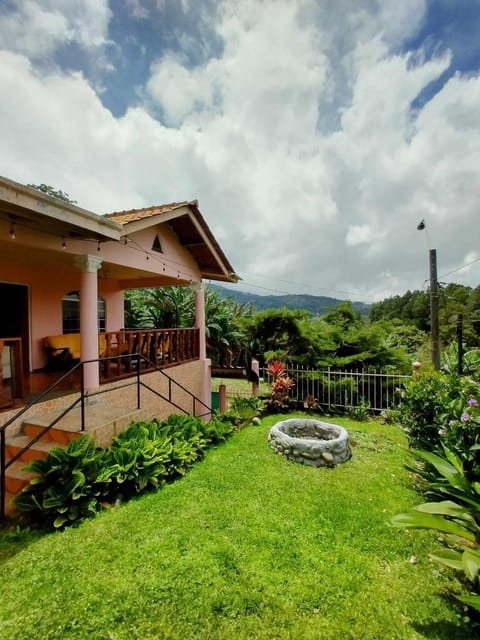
x,y
246,546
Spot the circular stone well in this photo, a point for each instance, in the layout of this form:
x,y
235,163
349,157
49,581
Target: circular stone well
x,y
311,442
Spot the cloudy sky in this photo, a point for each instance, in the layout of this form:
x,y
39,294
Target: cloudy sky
x,y
316,134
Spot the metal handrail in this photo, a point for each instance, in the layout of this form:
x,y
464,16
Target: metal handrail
x,y
138,357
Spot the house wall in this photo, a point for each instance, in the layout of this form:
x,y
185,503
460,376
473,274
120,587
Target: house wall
x,y
47,286
189,375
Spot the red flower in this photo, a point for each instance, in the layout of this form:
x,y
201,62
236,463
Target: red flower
x,y
276,368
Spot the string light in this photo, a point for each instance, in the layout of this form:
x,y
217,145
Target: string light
x,y
64,244
98,246
125,240
12,232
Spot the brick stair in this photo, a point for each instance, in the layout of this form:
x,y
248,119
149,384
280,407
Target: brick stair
x,y
103,423
16,478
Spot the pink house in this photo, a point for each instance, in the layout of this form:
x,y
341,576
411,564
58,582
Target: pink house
x,y
63,273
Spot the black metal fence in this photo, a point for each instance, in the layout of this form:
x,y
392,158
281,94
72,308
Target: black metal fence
x,y
343,389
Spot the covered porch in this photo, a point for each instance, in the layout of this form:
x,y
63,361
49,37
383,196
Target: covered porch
x,y
63,274
159,348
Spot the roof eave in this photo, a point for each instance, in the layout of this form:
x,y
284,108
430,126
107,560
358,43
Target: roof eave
x,y
30,199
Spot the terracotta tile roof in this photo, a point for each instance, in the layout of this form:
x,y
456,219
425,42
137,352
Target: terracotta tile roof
x,y
124,217
200,242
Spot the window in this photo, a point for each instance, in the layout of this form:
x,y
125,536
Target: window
x,y
156,246
71,313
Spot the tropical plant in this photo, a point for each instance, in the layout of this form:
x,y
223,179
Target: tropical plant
x,y
69,484
470,361
361,412
457,517
243,409
75,483
138,459
279,388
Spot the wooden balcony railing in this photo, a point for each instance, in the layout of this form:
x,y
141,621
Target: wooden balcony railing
x,y
162,347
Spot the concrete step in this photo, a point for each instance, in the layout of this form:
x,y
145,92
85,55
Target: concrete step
x,y
40,449
60,437
10,509
103,423
16,478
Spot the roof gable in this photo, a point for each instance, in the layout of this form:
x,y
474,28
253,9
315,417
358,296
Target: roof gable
x,y
191,229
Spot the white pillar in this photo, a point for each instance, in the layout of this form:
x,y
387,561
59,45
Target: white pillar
x,y
200,319
200,324
89,265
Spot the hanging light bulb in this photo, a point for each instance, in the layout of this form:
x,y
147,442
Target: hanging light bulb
x,y
12,232
64,244
98,246
125,241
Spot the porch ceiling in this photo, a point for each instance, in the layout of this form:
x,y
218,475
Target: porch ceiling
x,y
61,261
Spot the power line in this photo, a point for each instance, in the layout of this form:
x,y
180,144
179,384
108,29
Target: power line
x,y
464,266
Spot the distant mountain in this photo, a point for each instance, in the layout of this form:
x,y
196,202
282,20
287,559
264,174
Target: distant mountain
x,y
318,305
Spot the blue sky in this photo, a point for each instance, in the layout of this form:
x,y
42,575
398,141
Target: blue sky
x,y
315,134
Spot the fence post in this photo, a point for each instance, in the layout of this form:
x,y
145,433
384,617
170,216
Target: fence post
x,y
222,397
255,367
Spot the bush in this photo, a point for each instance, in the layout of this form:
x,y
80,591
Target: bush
x,y
69,486
243,410
75,483
455,514
428,403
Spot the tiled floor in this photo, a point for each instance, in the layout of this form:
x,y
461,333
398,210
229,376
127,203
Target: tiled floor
x,y
36,383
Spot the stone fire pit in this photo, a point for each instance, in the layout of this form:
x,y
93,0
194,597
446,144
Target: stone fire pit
x,y
311,442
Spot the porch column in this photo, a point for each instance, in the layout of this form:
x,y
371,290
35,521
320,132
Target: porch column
x,y
89,265
200,319
206,396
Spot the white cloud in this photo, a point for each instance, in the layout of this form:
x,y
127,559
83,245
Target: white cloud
x,y
363,234
333,209
38,29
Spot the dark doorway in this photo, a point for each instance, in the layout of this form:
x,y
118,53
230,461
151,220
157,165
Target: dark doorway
x,y
14,319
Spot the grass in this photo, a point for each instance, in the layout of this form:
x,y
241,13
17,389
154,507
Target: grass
x,y
239,387
246,546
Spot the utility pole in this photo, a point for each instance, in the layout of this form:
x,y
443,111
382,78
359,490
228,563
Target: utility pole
x,y
460,343
434,327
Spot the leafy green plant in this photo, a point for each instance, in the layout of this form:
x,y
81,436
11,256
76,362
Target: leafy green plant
x,y
462,434
244,409
75,483
138,459
429,402
361,413
457,517
69,486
